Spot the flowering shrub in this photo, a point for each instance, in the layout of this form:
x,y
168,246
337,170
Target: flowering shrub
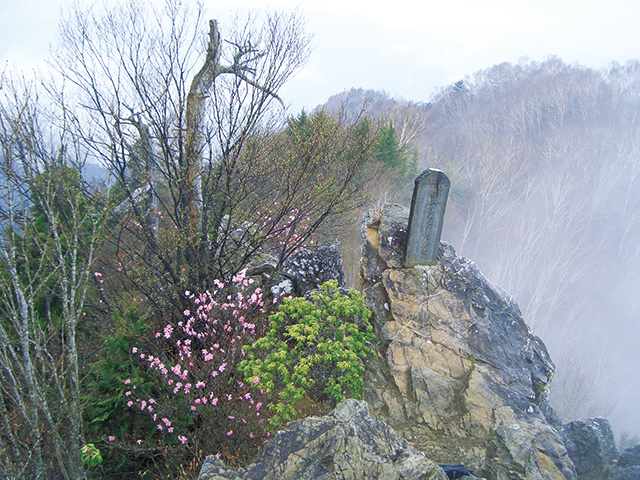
x,y
314,347
197,400
290,232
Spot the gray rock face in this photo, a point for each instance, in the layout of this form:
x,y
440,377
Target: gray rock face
x,y
346,444
308,269
628,473
591,446
630,457
460,376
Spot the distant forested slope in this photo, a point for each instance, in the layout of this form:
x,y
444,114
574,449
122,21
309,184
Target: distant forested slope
x,y
544,160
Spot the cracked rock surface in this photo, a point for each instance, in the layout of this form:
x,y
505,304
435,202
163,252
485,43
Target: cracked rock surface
x,y
460,374
346,444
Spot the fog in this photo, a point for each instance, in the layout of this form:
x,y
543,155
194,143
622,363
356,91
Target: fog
x,y
544,162
544,157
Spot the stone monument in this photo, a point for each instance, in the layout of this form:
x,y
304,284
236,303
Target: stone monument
x,y
426,217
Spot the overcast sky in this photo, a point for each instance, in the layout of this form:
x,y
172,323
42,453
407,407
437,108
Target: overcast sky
x,y
407,48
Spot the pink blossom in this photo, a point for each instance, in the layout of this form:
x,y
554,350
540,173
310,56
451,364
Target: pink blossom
x,y
229,433
127,381
138,442
182,439
111,438
256,380
168,330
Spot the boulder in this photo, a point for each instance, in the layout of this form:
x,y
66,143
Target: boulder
x,y
591,446
619,473
459,375
630,457
306,270
347,443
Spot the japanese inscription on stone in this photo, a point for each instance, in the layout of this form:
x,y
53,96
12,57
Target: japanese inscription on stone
x,y
426,217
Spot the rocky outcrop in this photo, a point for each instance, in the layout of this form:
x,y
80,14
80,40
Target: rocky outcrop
x,y
591,446
307,269
302,272
347,443
460,375
459,379
630,457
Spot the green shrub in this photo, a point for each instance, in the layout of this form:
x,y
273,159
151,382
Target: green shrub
x,y
314,347
107,420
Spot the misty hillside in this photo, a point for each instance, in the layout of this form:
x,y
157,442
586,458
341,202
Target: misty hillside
x,y
544,161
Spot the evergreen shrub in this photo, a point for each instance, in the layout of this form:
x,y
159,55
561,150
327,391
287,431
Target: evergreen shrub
x,y
314,347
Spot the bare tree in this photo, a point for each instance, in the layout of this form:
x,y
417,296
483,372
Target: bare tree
x,y
199,144
49,232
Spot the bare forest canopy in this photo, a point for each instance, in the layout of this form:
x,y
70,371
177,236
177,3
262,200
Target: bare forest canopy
x,y
544,162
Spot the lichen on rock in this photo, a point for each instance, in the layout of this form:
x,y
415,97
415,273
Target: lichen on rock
x,y
460,374
347,443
